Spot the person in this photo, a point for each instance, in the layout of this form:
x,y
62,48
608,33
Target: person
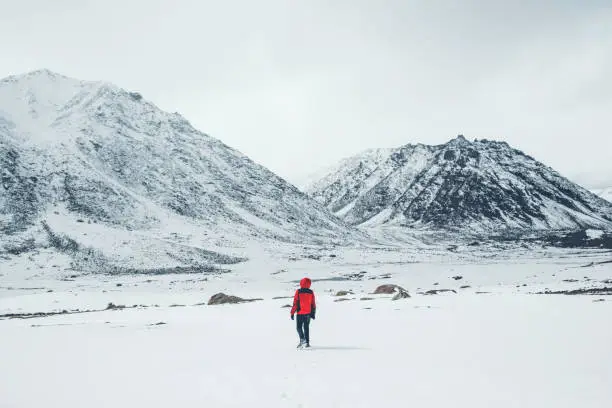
x,y
305,306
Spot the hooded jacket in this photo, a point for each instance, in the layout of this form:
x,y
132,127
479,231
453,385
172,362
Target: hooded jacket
x,y
304,300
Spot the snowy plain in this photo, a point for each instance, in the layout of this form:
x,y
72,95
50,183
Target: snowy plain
x,y
494,343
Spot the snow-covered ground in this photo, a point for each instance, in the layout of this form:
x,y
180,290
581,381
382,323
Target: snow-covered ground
x,y
494,343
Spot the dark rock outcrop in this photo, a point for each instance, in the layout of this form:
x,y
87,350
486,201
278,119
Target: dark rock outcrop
x,y
437,291
401,294
583,291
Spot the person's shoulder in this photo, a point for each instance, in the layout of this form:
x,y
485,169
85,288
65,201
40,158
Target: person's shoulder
x,y
305,290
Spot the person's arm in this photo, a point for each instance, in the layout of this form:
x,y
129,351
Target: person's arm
x,y
313,306
295,303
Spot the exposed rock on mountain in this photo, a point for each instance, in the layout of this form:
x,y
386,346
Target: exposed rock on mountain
x,y
479,186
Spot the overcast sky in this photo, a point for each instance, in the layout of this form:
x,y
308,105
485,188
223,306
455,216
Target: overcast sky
x,y
299,84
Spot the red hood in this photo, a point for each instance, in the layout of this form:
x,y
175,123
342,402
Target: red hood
x,y
305,283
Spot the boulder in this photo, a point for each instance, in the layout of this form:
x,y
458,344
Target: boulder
x,y
398,291
222,298
388,290
344,293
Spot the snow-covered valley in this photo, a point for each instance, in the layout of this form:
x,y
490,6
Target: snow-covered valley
x,y
491,340
121,223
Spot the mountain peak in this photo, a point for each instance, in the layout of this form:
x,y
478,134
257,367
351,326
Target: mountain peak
x,y
42,74
477,186
37,99
459,140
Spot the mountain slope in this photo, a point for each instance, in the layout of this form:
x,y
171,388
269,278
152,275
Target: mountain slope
x,y
481,186
88,156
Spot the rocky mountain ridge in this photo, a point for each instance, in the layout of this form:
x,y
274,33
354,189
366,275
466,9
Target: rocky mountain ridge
x,y
477,186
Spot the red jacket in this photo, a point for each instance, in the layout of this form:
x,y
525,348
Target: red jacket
x,y
304,299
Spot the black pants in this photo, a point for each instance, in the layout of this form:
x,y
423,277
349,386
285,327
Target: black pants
x,y
303,327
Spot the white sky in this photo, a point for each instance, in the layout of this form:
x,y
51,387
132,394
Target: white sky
x,y
300,84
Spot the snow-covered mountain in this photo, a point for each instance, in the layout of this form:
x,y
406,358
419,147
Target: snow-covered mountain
x,y
92,163
479,186
605,193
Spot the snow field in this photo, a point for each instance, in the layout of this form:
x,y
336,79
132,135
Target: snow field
x,y
463,351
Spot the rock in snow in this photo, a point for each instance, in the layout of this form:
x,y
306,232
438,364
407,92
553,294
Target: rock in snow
x,y
222,298
388,290
401,294
479,186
